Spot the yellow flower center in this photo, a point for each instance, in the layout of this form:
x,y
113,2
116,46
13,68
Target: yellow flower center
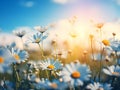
x,y
54,85
1,60
37,40
75,75
100,25
106,42
91,36
16,57
51,67
116,73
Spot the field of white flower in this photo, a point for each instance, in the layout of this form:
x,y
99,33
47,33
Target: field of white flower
x,y
60,68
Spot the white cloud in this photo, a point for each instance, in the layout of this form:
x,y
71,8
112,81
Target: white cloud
x,y
6,39
61,33
63,1
28,4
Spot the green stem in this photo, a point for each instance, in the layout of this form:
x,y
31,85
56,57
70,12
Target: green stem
x,y
92,50
47,74
42,52
22,42
100,65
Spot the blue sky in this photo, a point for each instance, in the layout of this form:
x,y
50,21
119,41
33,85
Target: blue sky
x,y
19,13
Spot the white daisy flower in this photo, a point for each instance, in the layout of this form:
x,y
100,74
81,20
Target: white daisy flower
x,y
19,55
37,38
41,29
50,64
76,74
99,86
112,70
5,60
19,33
60,53
115,44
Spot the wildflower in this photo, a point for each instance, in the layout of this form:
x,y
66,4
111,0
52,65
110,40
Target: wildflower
x,y
50,64
112,70
85,52
107,59
114,34
106,42
99,25
99,86
53,42
19,33
19,55
32,64
69,52
5,60
115,44
37,38
72,20
76,62
91,36
12,45
41,29
60,53
75,74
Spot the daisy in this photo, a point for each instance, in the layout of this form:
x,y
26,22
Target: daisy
x,y
76,74
99,25
60,53
106,42
5,61
19,33
99,86
50,64
41,29
12,45
37,38
19,55
115,44
112,70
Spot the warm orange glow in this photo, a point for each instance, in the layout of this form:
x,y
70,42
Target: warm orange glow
x,y
91,36
1,60
99,25
106,42
75,75
51,67
16,57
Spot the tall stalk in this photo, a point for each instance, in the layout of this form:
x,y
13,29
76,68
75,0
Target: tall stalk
x,y
41,49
